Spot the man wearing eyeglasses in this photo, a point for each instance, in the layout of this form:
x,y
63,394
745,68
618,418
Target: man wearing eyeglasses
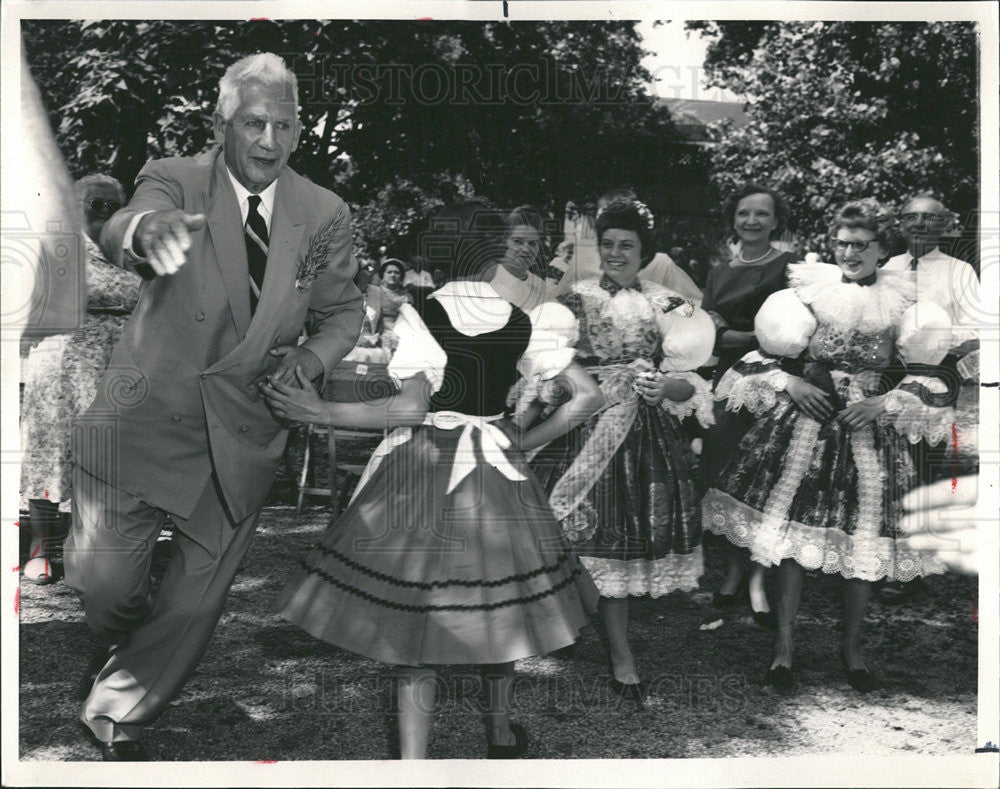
x,y
237,250
947,281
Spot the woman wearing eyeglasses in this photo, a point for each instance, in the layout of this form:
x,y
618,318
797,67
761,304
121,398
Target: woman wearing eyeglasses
x,y
61,375
816,483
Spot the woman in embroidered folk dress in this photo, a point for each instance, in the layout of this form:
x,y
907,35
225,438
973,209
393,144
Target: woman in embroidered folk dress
x,y
816,482
734,292
624,483
449,552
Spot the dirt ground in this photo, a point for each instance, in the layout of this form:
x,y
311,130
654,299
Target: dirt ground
x,y
266,690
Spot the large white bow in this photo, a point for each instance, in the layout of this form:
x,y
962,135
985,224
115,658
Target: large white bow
x,y
492,442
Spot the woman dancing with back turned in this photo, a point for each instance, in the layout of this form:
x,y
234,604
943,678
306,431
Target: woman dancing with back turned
x,y
449,552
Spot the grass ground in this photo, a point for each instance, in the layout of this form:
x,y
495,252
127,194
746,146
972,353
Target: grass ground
x,y
265,690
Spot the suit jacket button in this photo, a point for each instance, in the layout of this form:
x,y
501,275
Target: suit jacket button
x,y
175,417
199,316
244,428
204,376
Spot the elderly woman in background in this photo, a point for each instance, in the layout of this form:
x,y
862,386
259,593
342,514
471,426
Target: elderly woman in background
x,y
61,375
734,292
384,300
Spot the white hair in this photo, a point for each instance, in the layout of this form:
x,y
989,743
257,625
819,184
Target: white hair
x,y
265,68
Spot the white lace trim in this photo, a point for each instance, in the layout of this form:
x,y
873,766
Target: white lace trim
x,y
699,403
848,306
863,556
916,420
653,577
758,392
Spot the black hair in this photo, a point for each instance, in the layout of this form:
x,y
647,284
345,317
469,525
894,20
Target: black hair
x,y
625,214
463,239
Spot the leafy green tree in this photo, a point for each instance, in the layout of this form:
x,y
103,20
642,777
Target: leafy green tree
x,y
844,110
397,115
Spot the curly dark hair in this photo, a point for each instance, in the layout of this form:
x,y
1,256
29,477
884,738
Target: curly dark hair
x,y
781,212
463,239
867,215
623,214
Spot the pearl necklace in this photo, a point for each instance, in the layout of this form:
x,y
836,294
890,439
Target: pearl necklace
x,y
755,260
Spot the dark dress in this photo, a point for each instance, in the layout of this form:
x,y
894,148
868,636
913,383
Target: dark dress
x,y
735,293
449,552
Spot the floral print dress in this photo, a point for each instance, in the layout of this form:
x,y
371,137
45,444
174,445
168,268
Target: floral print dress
x,y
624,483
61,376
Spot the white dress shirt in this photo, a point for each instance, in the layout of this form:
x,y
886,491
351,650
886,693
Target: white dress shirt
x,y
950,283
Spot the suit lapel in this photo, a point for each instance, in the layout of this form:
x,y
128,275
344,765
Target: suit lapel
x,y
226,227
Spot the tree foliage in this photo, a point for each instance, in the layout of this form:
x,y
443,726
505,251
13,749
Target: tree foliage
x,y
844,110
514,112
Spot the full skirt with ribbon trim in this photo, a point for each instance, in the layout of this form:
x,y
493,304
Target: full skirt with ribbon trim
x,y
625,486
823,495
417,573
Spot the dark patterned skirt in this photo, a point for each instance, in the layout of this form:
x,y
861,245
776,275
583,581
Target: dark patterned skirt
x,y
413,575
637,527
824,496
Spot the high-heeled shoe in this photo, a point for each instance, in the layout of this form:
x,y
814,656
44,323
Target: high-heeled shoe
x,y
861,679
515,751
781,678
629,691
765,620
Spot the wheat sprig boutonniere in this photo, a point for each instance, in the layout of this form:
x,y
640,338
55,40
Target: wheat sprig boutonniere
x,y
317,257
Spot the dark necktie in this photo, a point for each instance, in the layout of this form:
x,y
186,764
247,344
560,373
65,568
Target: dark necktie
x,y
913,263
256,237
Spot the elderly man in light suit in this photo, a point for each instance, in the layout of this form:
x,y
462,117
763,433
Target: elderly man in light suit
x,y
238,250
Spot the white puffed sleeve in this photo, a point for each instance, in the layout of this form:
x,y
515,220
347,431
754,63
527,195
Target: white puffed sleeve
x,y
554,332
784,324
418,351
925,336
688,339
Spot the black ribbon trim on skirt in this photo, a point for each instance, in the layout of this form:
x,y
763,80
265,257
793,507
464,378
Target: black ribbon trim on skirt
x,y
561,559
323,574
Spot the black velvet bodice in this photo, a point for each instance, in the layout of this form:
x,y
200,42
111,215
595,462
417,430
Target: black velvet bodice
x,y
480,369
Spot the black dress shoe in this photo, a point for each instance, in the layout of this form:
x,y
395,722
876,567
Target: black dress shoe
x,y
123,751
515,751
98,658
781,678
860,679
721,604
629,691
765,620
120,751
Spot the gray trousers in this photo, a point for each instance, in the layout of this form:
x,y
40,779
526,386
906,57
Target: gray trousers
x,y
158,642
